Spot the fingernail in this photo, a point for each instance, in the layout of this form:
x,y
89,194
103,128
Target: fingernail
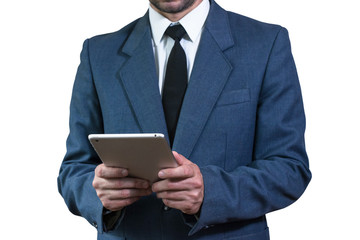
x,y
161,174
124,172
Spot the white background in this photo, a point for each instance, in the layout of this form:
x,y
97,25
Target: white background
x,y
40,45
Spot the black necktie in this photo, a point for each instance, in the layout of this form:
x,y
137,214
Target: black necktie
x,y
175,80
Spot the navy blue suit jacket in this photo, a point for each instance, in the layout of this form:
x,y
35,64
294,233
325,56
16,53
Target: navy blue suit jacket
x,y
242,122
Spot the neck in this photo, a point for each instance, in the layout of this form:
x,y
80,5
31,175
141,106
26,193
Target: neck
x,y
175,17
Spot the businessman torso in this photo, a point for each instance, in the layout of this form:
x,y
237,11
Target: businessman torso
x,y
233,123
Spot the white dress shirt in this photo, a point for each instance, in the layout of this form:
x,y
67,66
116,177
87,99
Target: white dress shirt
x,y
193,23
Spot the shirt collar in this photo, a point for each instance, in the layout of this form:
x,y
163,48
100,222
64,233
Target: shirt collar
x,y
192,22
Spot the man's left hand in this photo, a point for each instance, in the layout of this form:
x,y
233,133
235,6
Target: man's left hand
x,y
181,187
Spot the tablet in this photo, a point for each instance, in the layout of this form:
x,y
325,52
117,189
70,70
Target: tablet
x,y
144,155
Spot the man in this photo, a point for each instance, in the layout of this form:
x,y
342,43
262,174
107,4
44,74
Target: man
x,y
239,138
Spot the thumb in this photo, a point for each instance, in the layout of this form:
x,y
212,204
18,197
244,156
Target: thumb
x,y
180,159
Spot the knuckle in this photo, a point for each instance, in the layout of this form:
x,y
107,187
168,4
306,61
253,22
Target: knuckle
x,y
174,185
193,195
192,170
99,171
95,184
165,195
159,195
170,185
197,196
100,194
198,183
140,184
188,208
124,193
188,170
119,184
106,203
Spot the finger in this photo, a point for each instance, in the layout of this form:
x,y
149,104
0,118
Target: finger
x,y
185,192
183,171
103,171
180,159
120,183
128,193
116,205
173,195
172,185
110,194
184,206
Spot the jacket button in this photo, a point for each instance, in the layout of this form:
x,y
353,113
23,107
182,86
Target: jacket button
x,y
166,208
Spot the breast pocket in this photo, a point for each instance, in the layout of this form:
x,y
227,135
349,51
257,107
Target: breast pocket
x,y
234,97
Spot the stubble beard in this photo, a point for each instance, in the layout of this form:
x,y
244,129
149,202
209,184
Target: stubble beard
x,y
167,8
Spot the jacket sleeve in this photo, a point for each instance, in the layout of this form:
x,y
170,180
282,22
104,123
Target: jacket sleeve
x,y
279,171
77,169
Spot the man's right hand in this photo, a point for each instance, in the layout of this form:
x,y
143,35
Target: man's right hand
x,y
116,190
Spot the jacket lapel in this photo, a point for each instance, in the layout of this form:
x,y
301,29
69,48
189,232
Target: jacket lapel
x,y
139,79
210,73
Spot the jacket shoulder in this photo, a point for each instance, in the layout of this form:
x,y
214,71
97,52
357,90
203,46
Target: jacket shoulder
x,y
113,39
251,27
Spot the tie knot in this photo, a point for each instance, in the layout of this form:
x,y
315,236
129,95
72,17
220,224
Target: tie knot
x,y
176,32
